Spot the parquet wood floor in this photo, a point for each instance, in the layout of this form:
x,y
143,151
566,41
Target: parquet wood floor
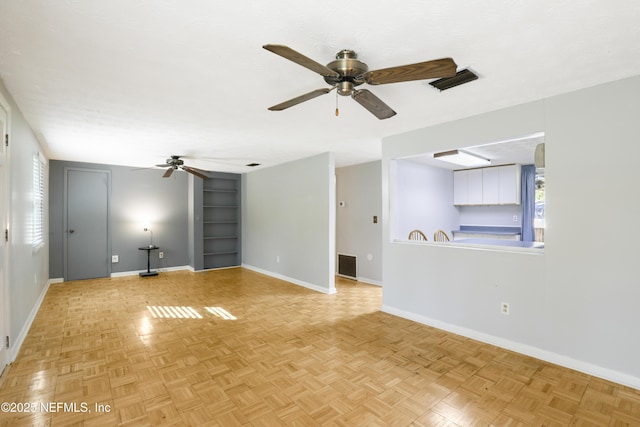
x,y
255,351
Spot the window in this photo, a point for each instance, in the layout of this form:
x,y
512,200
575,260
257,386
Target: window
x,y
538,221
38,200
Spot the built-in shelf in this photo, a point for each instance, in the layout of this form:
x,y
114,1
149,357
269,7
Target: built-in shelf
x,y
221,220
215,190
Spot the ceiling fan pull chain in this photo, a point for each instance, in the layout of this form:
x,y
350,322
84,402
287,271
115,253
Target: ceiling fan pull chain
x,y
337,111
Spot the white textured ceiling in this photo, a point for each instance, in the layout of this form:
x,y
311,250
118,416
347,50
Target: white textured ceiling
x,y
131,82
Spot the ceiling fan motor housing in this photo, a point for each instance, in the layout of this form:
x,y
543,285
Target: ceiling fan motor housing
x,y
351,72
175,161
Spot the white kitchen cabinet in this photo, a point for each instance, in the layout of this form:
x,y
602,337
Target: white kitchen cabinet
x,y
467,187
474,187
490,186
460,187
509,184
498,185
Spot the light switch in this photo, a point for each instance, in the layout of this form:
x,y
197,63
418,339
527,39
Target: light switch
x,y
375,219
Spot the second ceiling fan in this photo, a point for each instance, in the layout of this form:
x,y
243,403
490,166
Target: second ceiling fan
x,y
175,163
347,72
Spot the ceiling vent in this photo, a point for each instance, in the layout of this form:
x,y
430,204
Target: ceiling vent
x,y
461,77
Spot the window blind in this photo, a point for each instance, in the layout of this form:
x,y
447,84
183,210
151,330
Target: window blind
x,y
38,200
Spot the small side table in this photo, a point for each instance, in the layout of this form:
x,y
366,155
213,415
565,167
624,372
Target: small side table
x,y
149,249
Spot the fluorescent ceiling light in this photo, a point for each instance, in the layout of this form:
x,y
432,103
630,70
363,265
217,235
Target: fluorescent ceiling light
x,y
462,158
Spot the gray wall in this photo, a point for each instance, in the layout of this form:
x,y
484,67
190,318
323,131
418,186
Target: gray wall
x,y
576,304
423,200
29,270
137,197
360,187
288,221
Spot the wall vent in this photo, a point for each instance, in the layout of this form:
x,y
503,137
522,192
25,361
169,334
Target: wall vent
x,y
347,266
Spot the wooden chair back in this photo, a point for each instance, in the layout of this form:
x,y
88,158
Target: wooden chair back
x,y
440,236
417,235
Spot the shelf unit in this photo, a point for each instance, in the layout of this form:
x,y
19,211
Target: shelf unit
x,y
221,221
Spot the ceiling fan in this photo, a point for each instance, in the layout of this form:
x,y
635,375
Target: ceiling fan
x,y
347,72
175,163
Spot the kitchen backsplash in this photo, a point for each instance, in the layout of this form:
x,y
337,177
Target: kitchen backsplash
x,y
490,215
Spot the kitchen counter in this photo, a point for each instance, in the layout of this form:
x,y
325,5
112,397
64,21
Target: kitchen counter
x,y
501,242
485,229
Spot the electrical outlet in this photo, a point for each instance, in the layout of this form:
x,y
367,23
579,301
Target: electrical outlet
x,y
115,258
504,308
515,218
278,258
160,254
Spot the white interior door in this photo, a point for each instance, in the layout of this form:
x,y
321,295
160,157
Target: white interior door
x,y
4,190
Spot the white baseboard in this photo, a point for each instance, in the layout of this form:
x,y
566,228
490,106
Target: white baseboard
x,y
538,353
290,279
204,270
57,280
369,281
159,270
16,343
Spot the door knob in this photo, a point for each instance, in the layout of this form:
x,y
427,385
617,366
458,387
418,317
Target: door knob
x,y
71,231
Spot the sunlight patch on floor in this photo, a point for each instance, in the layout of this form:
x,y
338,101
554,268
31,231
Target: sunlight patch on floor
x,y
173,312
220,312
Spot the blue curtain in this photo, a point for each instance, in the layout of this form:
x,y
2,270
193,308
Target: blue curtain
x,y
528,201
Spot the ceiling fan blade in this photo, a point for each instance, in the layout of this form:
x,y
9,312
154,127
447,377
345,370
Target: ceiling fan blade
x,y
300,59
372,103
194,171
162,165
167,173
298,99
434,69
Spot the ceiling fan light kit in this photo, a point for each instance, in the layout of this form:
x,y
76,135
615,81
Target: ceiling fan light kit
x,y
347,72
